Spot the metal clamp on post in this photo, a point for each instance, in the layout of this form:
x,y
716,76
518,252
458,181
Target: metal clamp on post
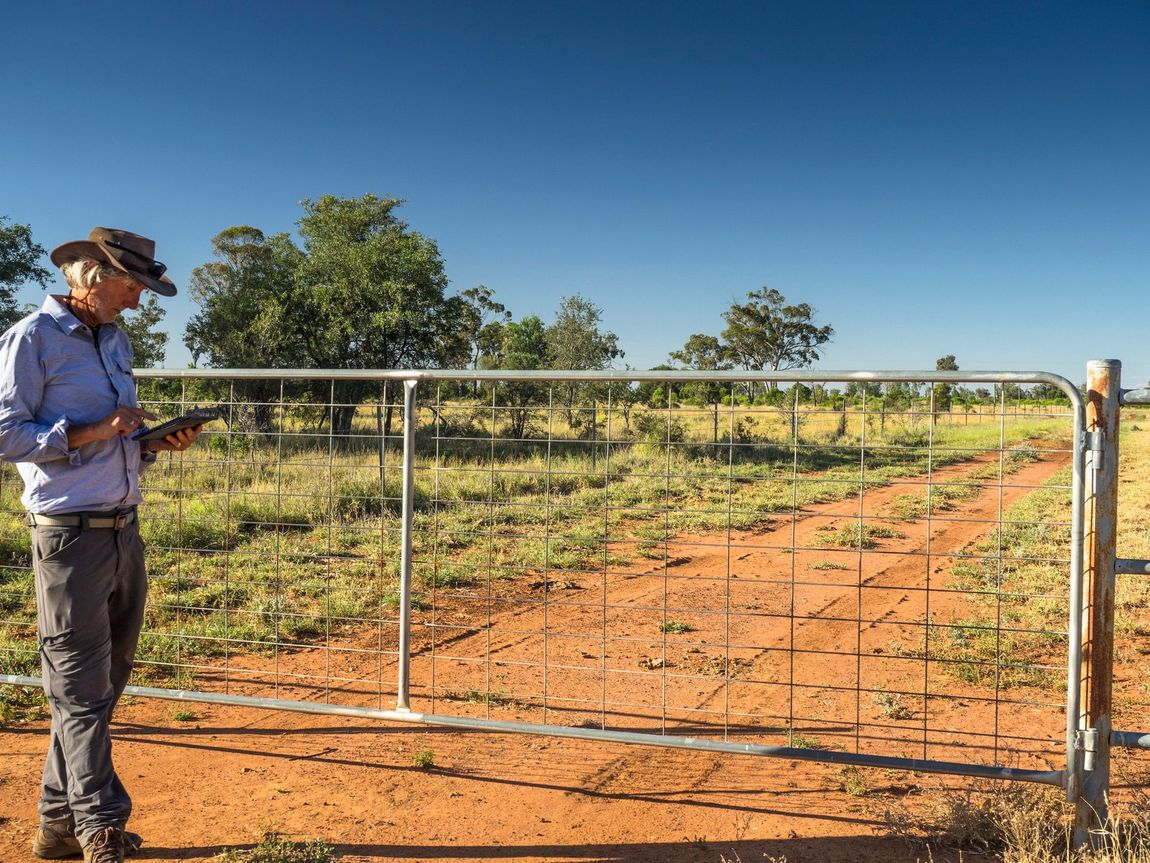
x,y
1095,441
1087,742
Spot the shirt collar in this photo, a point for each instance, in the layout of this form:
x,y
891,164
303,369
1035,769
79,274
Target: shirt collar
x,y
56,309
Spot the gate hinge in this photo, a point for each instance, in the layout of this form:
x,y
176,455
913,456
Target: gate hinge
x,y
1095,440
1086,741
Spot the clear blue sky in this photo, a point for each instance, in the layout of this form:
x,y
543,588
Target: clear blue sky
x,y
939,177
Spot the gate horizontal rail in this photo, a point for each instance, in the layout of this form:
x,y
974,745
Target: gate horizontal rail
x,y
838,570
1048,777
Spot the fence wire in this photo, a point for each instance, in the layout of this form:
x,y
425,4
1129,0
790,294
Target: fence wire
x,y
872,569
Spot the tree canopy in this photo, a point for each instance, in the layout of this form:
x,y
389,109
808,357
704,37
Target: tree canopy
x,y
361,291
244,298
19,263
705,353
575,341
944,393
766,333
148,343
524,348
369,292
484,321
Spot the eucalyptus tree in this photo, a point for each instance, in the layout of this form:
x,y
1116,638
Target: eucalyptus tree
x,y
525,347
361,290
19,263
768,333
575,341
705,353
149,344
943,392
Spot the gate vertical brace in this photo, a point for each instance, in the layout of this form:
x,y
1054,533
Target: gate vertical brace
x,y
1103,380
403,687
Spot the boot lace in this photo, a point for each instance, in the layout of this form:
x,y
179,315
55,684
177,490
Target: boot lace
x,y
107,846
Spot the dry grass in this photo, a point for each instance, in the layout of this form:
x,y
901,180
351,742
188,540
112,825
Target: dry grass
x,y
1017,823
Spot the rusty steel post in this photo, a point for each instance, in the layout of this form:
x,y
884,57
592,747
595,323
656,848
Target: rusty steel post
x,y
1103,379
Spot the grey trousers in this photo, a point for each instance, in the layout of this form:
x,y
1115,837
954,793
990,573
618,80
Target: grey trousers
x,y
90,591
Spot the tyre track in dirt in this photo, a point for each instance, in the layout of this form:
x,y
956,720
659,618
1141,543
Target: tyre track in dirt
x,y
709,555
906,575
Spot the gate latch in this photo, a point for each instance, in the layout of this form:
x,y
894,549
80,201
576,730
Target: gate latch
x,y
1086,740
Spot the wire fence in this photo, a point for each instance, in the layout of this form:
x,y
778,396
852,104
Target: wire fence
x,y
848,570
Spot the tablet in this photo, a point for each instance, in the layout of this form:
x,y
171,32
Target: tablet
x,y
192,418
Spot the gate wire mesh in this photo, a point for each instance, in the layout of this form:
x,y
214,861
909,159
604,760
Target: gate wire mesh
x,y
877,569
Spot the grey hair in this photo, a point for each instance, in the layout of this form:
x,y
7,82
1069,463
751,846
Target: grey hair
x,y
82,273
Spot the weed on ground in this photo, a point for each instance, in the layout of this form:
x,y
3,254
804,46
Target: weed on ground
x,y
277,848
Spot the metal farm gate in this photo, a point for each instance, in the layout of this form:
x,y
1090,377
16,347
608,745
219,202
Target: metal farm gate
x,y
907,570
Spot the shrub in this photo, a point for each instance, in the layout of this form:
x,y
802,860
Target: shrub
x,y
655,427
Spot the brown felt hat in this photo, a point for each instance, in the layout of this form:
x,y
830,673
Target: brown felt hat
x,y
131,253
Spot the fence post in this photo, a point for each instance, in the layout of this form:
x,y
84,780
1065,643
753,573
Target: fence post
x,y
1103,379
403,694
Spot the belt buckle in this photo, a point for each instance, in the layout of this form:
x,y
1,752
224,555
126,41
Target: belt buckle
x,y
121,521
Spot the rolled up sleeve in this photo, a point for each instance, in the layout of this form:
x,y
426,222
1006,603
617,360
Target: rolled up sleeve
x,y
22,437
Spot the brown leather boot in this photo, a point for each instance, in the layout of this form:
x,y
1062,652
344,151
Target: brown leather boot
x,y
56,840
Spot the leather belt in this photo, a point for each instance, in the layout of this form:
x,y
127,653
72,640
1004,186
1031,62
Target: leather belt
x,y
84,520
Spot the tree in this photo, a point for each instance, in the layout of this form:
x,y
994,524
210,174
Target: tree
x,y
766,333
243,322
943,392
484,322
864,389
363,292
1048,392
900,394
19,264
705,353
148,343
574,341
244,299
369,291
524,348
655,394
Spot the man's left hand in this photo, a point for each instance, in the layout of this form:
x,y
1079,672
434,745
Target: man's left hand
x,y
177,441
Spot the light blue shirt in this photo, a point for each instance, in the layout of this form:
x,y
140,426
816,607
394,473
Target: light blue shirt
x,y
53,375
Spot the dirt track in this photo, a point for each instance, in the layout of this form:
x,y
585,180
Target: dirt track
x,y
233,773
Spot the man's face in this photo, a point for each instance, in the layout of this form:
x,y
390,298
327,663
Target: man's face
x,y
109,297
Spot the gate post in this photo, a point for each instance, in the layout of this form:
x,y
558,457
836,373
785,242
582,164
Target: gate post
x,y
1103,379
403,684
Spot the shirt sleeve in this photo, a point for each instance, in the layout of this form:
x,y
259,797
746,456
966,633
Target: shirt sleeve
x,y
22,437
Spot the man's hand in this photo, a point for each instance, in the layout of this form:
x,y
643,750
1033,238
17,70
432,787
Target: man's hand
x,y
122,421
176,441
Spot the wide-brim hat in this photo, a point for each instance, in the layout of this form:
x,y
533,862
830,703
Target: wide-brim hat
x,y
128,252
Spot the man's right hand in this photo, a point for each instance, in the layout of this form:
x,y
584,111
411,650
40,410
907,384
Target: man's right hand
x,y
122,421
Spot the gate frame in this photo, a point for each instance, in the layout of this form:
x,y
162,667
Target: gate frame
x,y
1085,776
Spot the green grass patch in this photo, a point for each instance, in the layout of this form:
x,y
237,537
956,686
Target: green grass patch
x,y
865,535
277,848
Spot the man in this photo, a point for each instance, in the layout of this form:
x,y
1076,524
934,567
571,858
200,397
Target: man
x,y
68,412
